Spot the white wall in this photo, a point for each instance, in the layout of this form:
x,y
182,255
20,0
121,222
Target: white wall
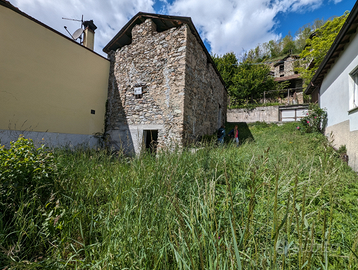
x,y
336,95
336,89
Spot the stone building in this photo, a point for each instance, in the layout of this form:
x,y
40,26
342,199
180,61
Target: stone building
x,y
164,89
284,70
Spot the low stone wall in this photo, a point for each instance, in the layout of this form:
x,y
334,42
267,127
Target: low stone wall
x,y
262,114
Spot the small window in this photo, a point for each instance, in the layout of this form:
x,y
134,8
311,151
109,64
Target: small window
x,y
138,92
354,89
282,67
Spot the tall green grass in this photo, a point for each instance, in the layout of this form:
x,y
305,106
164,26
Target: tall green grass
x,y
284,200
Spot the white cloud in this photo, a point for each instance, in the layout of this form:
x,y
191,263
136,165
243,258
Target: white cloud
x,y
233,25
108,15
227,25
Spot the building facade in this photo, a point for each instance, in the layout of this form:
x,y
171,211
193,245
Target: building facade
x,y
164,90
51,87
159,87
283,70
335,86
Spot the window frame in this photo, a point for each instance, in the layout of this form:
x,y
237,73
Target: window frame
x,y
353,89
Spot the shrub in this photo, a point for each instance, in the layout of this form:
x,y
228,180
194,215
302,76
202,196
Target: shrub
x,y
23,167
26,184
315,120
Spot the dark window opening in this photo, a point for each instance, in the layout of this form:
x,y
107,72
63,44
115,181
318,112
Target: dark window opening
x,y
138,96
151,140
282,75
282,68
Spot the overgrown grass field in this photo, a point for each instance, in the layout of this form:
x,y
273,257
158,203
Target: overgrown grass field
x,y
282,200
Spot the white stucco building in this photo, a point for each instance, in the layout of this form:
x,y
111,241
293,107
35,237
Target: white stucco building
x,y
335,87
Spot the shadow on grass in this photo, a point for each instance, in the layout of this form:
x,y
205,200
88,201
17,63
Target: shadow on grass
x,y
244,132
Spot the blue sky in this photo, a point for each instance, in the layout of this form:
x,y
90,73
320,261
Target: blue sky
x,y
292,21
224,25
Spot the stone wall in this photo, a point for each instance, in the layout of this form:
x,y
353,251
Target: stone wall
x,y
181,91
288,67
262,114
205,95
156,62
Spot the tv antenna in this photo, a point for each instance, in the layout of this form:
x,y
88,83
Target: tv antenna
x,y
78,33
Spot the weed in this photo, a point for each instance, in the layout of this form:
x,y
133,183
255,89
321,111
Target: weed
x,y
282,200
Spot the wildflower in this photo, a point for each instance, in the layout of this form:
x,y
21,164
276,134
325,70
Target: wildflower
x,y
308,122
315,117
298,127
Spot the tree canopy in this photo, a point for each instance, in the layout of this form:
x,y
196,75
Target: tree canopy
x,y
317,47
245,81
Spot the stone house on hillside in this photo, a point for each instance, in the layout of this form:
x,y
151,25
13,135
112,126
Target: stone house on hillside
x,y
283,70
164,88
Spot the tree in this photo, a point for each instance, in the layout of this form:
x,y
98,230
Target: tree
x,y
274,48
227,66
250,81
245,81
288,45
301,36
317,47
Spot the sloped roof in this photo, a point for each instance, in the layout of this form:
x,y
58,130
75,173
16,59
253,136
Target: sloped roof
x,y
287,78
7,4
163,22
282,60
349,28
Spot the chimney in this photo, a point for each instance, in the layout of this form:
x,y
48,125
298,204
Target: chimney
x,y
88,38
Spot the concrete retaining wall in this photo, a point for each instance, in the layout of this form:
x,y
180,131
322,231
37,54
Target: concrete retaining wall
x,y
262,114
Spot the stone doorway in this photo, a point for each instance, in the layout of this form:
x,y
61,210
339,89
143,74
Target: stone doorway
x,y
150,140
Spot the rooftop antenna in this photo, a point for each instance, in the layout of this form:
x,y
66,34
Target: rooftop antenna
x,y
78,33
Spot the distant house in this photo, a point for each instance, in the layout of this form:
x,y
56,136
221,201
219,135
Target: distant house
x,y
164,89
335,87
283,70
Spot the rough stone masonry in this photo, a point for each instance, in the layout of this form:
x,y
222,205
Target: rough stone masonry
x,y
182,96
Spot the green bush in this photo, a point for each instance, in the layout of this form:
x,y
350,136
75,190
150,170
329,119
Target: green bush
x,y
315,120
26,184
23,167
